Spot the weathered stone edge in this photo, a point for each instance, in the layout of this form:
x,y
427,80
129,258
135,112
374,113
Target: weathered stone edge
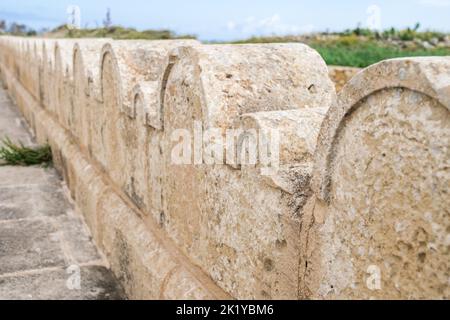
x,y
182,280
423,75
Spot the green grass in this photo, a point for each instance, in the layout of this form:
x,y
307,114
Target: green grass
x,y
365,53
121,33
358,50
354,48
19,155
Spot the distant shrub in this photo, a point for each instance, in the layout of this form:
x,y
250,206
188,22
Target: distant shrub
x,y
367,53
350,40
121,33
362,47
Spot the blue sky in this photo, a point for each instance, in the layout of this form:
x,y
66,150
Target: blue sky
x,y
232,19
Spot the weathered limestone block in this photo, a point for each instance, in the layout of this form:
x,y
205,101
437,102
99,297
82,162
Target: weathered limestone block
x,y
135,62
87,84
145,260
36,61
299,125
379,225
63,77
32,64
150,255
7,58
26,60
19,62
13,57
132,78
48,80
237,227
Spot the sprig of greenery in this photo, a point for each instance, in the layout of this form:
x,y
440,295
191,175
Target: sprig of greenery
x,y
20,155
365,53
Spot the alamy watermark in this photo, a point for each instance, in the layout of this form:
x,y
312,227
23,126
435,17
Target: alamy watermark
x,y
373,281
73,17
234,147
73,282
374,18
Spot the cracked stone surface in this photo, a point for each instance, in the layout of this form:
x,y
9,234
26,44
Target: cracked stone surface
x,y
44,245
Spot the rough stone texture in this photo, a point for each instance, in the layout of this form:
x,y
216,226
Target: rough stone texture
x,y
132,242
40,235
97,283
382,181
341,75
338,202
242,230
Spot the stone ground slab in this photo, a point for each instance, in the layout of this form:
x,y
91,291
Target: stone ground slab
x,y
45,247
28,245
96,283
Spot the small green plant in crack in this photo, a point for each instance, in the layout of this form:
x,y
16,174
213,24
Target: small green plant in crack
x,y
20,155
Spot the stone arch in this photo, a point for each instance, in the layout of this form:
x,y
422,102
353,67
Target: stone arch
x,y
381,182
146,156
63,92
182,94
140,124
79,75
140,107
136,137
414,74
108,56
146,107
36,58
91,53
80,88
31,71
108,115
58,89
217,86
140,66
86,60
47,70
165,79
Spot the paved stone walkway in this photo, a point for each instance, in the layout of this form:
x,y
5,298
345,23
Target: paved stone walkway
x,y
45,249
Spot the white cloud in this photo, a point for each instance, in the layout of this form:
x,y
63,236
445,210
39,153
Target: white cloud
x,y
268,26
435,3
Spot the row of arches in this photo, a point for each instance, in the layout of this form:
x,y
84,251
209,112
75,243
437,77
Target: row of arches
x,y
121,101
346,162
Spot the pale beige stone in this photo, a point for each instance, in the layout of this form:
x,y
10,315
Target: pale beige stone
x,y
109,216
362,181
382,181
238,225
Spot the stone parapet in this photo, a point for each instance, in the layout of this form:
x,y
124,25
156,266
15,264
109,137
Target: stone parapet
x,y
339,196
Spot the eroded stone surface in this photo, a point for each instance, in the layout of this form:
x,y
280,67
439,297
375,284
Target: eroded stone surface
x,y
389,201
240,229
382,209
97,283
365,182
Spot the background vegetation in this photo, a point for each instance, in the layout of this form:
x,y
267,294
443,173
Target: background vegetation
x,y
362,47
358,47
115,32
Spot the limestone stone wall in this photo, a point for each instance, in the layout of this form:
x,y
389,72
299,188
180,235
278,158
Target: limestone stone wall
x,y
359,193
381,183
